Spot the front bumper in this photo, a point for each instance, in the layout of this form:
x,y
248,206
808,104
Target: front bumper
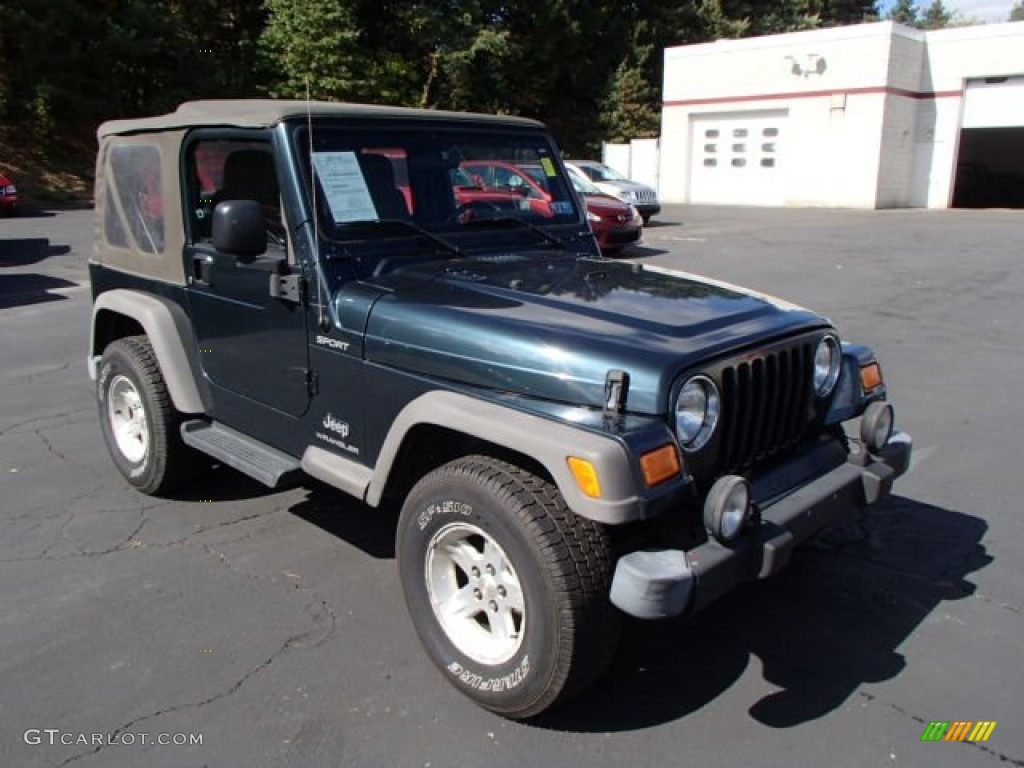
x,y
618,236
654,584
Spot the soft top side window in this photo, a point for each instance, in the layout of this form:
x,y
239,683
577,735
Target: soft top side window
x,y
134,197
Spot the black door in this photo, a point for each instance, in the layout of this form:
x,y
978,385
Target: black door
x,y
252,344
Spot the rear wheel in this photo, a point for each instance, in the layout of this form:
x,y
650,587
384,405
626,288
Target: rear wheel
x,y
139,422
506,587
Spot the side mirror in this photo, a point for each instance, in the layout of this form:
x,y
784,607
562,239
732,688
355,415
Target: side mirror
x,y
240,229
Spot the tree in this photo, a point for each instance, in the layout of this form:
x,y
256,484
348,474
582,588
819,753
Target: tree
x,y
904,12
1017,12
631,108
841,12
315,43
936,16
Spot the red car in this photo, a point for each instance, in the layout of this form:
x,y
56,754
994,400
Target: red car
x,y
615,224
468,192
8,197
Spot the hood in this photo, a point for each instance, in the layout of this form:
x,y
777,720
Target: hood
x,y
552,327
605,205
628,186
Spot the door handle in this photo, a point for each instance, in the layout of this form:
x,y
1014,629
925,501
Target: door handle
x,y
202,268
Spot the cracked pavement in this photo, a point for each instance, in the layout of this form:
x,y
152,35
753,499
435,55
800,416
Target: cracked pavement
x,y
273,623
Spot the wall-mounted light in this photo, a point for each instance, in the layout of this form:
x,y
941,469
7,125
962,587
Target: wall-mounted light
x,y
811,64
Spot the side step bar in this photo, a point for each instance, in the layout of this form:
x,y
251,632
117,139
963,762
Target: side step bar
x,y
249,456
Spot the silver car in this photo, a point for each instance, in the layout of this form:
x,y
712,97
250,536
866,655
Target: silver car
x,y
613,183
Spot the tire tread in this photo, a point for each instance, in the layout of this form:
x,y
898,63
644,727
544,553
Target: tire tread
x,y
578,555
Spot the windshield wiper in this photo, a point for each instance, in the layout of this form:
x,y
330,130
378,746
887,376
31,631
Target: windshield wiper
x,y
522,222
448,247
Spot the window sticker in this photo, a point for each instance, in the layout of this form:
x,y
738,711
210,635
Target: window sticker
x,y
561,208
549,167
345,187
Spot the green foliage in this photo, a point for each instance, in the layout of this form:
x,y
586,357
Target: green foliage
x,y
591,69
937,16
631,108
904,12
314,43
1017,12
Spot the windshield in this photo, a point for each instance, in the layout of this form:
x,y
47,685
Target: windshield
x,y
600,172
582,184
439,178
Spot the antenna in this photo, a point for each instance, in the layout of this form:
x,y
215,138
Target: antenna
x,y
321,293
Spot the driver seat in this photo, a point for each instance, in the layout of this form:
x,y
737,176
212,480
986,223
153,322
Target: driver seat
x,y
380,181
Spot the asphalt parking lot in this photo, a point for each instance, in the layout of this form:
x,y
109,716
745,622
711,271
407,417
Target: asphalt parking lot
x,y
271,625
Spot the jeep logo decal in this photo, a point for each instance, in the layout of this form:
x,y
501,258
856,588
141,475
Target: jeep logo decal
x,y
339,427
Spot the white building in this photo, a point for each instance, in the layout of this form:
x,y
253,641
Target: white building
x,y
868,116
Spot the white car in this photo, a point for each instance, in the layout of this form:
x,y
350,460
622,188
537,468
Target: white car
x,y
613,183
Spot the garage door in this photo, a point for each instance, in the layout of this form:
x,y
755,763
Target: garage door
x,y
996,102
737,158
990,163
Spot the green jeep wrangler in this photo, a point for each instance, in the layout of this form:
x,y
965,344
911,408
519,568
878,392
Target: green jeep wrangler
x,y
290,288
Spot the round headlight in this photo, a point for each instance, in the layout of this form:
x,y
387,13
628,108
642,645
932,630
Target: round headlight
x,y
826,366
697,409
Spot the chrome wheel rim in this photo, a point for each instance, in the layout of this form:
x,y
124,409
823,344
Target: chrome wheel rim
x,y
475,593
127,418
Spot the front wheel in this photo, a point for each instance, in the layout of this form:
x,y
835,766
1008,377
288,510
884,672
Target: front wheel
x,y
506,587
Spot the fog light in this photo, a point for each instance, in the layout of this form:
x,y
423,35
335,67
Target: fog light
x,y
727,507
876,426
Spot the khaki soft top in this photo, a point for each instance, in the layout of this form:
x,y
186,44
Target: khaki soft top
x,y
261,113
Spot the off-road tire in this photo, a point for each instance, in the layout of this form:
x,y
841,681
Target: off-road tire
x,y
157,460
563,565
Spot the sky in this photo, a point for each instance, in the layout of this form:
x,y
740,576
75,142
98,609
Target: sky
x,y
984,10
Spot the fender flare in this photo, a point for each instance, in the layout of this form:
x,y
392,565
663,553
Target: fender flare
x,y
547,441
156,315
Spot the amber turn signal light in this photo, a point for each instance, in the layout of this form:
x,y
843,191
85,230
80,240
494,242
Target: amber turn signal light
x,y
585,474
660,465
871,377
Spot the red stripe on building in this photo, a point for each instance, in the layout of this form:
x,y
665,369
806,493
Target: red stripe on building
x,y
879,89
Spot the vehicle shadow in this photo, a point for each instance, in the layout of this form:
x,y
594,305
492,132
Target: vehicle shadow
x,y
25,251
218,482
642,252
661,223
34,212
22,290
828,624
371,530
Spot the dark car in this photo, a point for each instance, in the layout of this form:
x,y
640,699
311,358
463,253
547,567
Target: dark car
x,y
8,197
300,290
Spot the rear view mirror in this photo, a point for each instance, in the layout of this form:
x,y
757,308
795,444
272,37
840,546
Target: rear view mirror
x,y
240,229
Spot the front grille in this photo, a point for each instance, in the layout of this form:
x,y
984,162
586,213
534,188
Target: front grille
x,y
646,196
622,236
766,404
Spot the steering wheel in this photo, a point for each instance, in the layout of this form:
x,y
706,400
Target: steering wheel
x,y
461,211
